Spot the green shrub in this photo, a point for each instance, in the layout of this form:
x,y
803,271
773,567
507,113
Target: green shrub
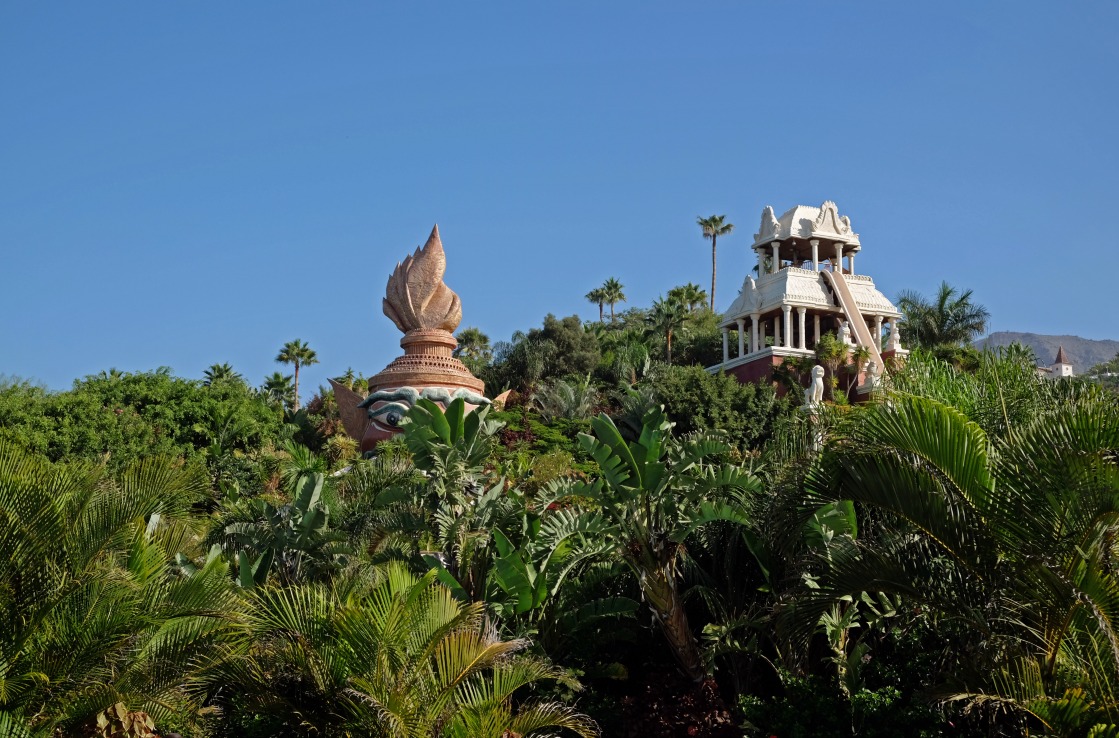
x,y
695,400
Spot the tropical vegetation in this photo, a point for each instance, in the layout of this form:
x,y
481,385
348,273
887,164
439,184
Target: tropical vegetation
x,y
630,545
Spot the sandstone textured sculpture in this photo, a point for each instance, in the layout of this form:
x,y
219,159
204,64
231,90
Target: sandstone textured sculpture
x,y
427,311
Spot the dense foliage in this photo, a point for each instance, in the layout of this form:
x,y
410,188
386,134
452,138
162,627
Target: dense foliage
x,y
631,545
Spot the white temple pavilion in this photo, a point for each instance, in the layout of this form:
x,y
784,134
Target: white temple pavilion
x,y
804,289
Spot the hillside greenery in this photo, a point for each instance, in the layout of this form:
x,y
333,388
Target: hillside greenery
x,y
629,546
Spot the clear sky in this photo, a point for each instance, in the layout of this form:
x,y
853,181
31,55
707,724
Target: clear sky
x,y
190,183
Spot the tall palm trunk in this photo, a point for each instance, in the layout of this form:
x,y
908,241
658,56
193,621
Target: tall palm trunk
x,y
611,312
668,341
600,312
297,386
713,240
660,591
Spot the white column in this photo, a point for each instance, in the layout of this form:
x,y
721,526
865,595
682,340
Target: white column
x,y
839,257
878,331
788,323
726,345
761,262
815,254
851,262
816,320
776,330
800,327
776,257
754,333
741,337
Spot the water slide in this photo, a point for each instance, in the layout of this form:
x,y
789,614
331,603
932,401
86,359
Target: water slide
x,y
855,319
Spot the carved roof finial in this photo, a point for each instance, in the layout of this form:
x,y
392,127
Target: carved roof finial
x,y
416,297
769,225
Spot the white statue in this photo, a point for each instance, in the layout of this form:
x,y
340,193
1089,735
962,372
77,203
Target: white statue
x,y
871,374
893,343
844,333
814,394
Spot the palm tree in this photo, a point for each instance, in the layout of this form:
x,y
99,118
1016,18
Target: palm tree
x,y
612,294
392,655
713,227
655,492
626,352
278,389
574,400
94,610
689,294
1011,535
859,355
950,319
298,354
597,296
353,380
218,373
666,318
473,349
831,352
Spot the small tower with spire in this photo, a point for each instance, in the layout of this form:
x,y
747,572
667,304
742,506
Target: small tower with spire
x,y
1062,367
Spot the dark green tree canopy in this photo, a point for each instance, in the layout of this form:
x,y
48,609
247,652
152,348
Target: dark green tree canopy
x,y
696,400
561,348
117,417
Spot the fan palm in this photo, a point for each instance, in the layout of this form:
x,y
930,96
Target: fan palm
x,y
950,319
667,318
298,354
832,353
278,389
597,296
473,349
1012,534
386,654
714,226
689,294
626,353
218,373
612,294
93,609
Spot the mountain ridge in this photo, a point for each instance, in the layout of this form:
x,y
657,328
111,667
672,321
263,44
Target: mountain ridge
x,y
1083,353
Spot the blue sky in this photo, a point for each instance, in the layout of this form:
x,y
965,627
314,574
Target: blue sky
x,y
190,183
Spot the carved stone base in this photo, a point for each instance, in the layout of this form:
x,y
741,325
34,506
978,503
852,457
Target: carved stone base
x,y
427,362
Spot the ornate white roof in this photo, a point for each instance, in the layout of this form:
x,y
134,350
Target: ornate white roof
x,y
803,288
805,222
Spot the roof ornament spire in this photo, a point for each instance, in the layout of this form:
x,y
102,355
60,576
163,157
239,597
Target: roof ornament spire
x,y
769,226
416,297
828,220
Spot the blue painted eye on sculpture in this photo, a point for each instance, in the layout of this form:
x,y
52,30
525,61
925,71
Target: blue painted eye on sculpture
x,y
427,311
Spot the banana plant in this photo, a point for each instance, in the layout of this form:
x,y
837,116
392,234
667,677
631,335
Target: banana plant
x,y
294,541
535,576
653,494
449,444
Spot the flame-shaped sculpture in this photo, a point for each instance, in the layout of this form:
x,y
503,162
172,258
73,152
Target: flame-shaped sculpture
x,y
416,297
427,312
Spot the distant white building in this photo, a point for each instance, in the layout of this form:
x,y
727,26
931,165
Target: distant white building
x,y
1061,366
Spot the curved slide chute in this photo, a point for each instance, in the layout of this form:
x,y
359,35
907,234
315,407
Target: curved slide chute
x,y
855,319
